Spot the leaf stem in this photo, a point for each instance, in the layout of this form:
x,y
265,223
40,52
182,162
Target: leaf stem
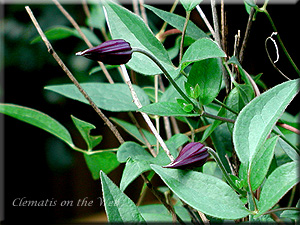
x,y
225,106
227,177
281,209
251,191
187,17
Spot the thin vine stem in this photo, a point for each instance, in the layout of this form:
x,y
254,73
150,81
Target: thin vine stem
x,y
264,10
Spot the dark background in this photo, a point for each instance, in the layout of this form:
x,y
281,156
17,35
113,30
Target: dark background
x,y
38,166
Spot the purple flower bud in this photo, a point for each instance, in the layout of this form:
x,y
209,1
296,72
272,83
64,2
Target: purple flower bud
x,y
113,52
193,155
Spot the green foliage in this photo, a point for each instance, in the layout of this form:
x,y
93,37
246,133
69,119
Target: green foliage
x,y
203,192
128,26
256,120
278,183
61,32
38,119
189,5
207,74
201,49
253,154
111,97
84,128
118,207
177,22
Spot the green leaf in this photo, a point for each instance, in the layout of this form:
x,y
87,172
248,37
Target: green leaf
x,y
85,128
291,214
203,192
96,18
208,75
55,33
201,49
189,5
133,150
38,119
61,32
187,107
166,109
126,25
280,181
139,160
238,97
132,170
156,212
101,161
177,21
118,207
261,162
256,119
133,131
111,97
250,3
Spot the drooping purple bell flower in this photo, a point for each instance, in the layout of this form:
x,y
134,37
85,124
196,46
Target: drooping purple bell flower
x,y
113,52
193,155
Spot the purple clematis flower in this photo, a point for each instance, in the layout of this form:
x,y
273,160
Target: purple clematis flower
x,y
113,52
193,155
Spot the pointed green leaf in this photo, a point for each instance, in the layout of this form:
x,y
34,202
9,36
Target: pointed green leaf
x,y
104,161
238,97
208,75
177,21
189,5
261,162
166,109
203,192
119,208
256,119
61,32
187,107
38,119
132,170
85,128
111,97
126,25
280,181
201,49
55,33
